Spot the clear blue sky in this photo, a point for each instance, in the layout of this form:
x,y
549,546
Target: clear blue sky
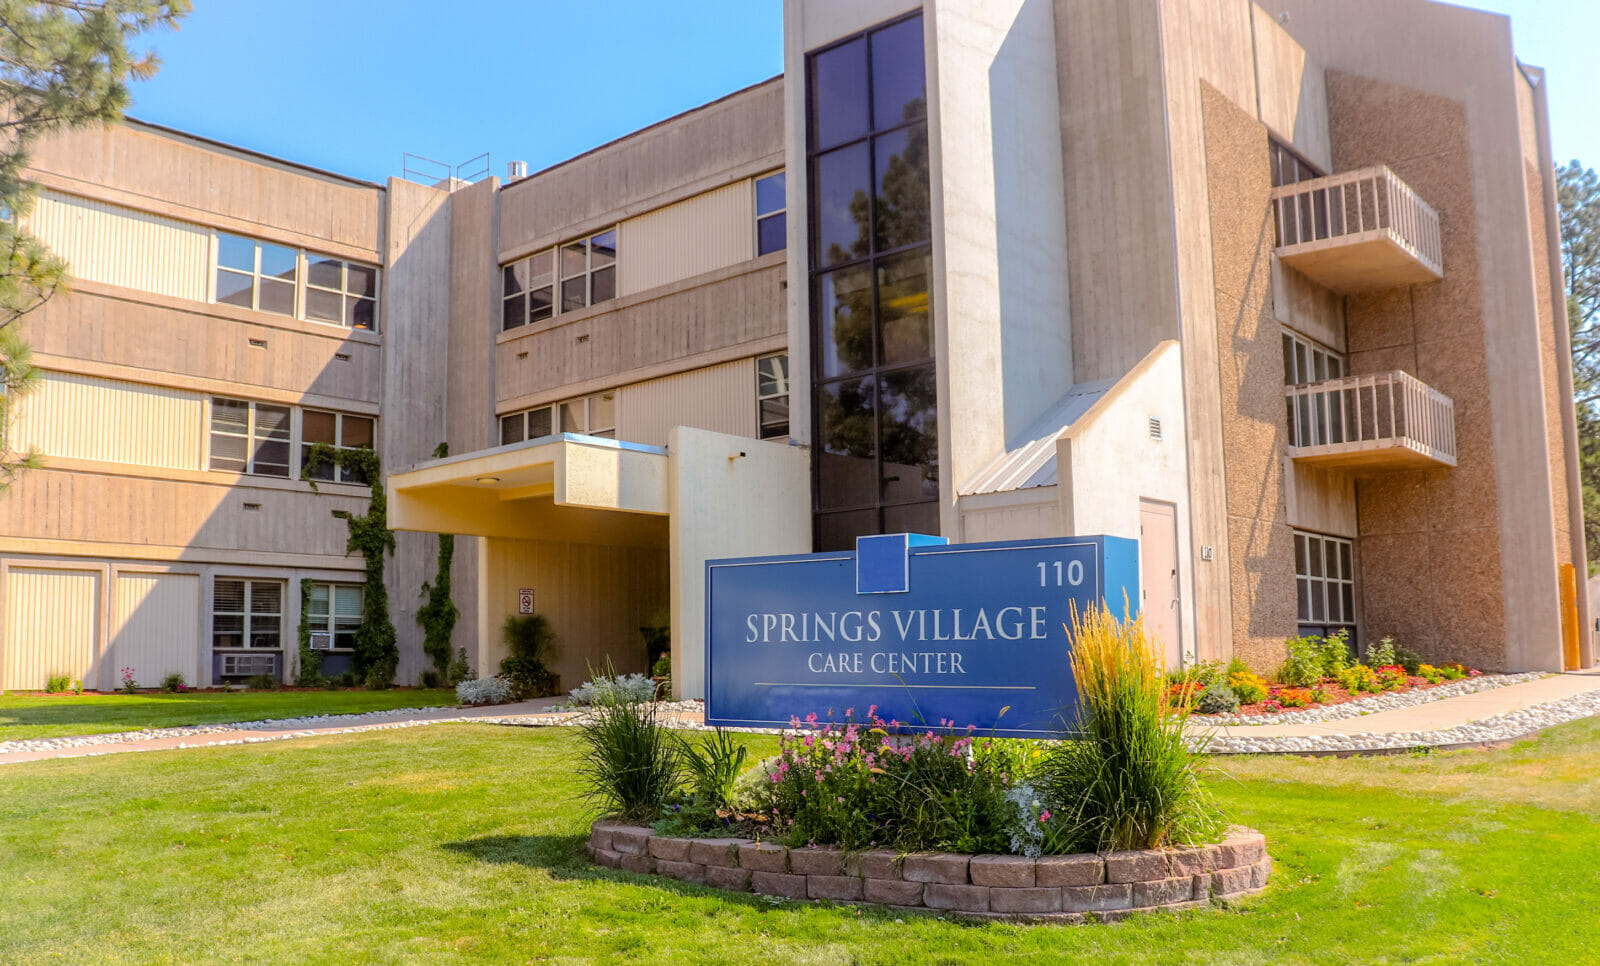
x,y
349,85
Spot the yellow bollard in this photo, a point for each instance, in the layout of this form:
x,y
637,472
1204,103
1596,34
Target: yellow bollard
x,y
1569,616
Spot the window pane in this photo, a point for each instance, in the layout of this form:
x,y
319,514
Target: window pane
x,y
1301,367
839,94
899,84
916,518
278,262
1314,546
513,312
324,471
356,432
770,194
234,289
227,630
908,436
539,423
265,632
229,453
236,252
514,278
602,412
325,272
362,280
842,182
511,429
539,268
845,322
1319,609
230,416
1348,592
277,297
1303,587
228,597
772,234
324,306
573,259
361,313
272,422
1300,555
572,293
347,601
266,597
900,180
271,459
317,604
318,427
772,376
838,531
603,285
1288,361
573,418
774,417
603,249
847,467
903,308
539,304
1345,569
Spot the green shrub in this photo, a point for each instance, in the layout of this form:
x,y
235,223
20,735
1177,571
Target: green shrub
x,y
459,670
532,645
1381,653
1334,653
1129,780
1357,678
57,683
1217,699
380,672
173,683
1303,665
430,679
629,765
712,768
77,686
663,666
261,682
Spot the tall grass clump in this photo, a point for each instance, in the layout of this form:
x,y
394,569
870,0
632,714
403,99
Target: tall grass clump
x,y
1128,781
630,759
713,767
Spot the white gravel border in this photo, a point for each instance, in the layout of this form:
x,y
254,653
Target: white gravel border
x,y
1374,703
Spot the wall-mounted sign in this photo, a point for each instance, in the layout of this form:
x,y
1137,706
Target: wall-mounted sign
x,y
525,600
924,630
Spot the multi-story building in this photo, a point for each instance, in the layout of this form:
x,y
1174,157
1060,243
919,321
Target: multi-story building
x,y
1274,289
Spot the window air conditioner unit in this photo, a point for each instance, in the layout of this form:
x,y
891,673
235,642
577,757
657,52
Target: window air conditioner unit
x,y
243,665
321,641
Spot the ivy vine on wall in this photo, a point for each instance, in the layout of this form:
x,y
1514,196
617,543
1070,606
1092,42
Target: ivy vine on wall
x,y
310,661
438,615
377,656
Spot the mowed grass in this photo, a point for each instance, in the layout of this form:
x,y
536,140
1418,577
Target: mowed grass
x,y
462,844
25,716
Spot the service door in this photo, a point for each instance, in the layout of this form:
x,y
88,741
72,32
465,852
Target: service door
x,y
155,629
1158,578
51,619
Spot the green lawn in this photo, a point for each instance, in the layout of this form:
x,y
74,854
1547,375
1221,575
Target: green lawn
x,y
58,715
461,843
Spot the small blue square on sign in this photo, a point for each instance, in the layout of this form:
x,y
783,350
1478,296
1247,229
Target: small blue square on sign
x,y
883,561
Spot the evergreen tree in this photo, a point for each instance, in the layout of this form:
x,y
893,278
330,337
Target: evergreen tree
x,y
63,64
1578,198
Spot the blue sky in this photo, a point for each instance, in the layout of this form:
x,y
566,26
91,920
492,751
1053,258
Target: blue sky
x,y
349,85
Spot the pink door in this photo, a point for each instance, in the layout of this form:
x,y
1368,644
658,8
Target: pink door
x,y
1158,578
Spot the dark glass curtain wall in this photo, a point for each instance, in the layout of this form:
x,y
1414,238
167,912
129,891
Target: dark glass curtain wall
x,y
876,440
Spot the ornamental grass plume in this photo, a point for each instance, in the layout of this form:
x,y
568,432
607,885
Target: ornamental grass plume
x,y
1128,781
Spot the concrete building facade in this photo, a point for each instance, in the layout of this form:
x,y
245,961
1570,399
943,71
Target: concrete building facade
x,y
1274,289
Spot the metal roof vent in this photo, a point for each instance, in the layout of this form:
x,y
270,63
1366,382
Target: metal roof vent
x,y
516,169
1155,428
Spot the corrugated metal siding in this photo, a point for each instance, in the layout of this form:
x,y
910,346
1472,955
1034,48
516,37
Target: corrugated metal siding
x,y
119,246
719,398
704,233
155,628
84,417
50,627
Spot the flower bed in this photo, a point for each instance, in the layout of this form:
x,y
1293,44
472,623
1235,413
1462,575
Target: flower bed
x,y
1054,888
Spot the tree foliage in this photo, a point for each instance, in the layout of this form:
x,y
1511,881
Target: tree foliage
x,y
377,654
63,64
438,615
1578,198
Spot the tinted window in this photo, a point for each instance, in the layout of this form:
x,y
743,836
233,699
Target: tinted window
x,y
841,207
844,336
899,85
900,186
838,87
847,443
770,194
772,234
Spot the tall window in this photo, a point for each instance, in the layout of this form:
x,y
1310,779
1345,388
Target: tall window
x,y
772,224
874,412
246,613
560,279
339,430
772,396
1314,420
255,274
594,415
335,609
1325,579
249,437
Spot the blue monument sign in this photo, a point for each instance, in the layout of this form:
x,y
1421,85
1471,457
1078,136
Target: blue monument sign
x,y
926,630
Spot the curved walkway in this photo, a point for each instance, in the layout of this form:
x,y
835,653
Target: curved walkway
x,y
1471,720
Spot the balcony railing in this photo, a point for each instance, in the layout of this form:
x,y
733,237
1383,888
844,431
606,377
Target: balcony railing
x,y
1358,231
1379,421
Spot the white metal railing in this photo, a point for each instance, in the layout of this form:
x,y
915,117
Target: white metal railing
x,y
1377,411
1339,207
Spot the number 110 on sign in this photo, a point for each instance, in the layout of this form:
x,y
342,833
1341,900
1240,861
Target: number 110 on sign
x,y
1051,573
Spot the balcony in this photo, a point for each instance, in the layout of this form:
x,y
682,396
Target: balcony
x,y
1383,421
1358,232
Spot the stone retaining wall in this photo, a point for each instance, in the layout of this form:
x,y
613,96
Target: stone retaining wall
x,y
1056,887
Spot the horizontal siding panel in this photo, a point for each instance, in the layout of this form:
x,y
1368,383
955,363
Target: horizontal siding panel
x,y
50,627
704,233
83,417
718,398
119,246
155,621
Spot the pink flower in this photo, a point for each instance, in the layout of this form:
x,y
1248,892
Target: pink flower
x,y
849,712
872,712
811,718
1044,817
